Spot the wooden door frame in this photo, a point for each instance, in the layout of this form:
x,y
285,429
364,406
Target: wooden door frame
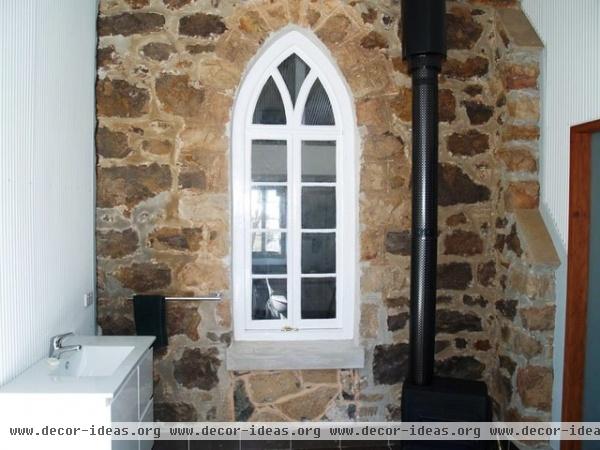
x,y
577,274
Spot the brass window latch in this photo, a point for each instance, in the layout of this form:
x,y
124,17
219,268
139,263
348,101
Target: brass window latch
x,y
288,328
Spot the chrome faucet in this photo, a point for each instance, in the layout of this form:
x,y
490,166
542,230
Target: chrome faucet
x,y
56,347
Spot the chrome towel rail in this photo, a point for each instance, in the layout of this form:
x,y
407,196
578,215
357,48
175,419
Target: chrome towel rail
x,y
213,297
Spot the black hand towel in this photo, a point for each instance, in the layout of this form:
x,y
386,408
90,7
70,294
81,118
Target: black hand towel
x,y
150,317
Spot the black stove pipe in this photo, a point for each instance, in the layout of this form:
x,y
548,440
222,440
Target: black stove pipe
x,y
424,46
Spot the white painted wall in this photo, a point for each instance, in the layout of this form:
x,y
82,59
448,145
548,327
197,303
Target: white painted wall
x,y
47,119
570,86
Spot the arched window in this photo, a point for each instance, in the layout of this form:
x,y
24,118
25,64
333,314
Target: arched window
x,y
294,196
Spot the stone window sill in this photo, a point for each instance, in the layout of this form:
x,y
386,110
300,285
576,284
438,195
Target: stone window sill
x,y
286,355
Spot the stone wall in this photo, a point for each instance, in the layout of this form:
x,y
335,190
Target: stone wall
x,y
168,71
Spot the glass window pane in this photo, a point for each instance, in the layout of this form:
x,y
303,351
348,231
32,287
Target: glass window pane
x,y
269,161
318,109
318,253
318,298
269,107
269,207
294,71
269,299
318,207
318,161
269,253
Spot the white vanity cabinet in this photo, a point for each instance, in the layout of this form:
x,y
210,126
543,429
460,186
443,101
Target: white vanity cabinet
x,y
133,402
108,380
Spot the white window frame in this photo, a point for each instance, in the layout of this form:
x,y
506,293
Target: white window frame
x,y
344,132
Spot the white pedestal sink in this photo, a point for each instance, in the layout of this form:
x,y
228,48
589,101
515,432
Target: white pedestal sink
x,y
108,380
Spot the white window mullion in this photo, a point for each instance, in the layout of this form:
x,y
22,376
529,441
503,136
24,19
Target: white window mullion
x,y
296,228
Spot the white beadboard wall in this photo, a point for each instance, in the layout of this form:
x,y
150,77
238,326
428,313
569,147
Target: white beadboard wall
x,y
570,84
570,31
47,119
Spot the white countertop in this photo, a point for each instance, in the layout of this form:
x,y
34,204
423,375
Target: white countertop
x,y
42,379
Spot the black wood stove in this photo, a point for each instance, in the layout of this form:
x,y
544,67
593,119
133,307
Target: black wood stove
x,y
426,398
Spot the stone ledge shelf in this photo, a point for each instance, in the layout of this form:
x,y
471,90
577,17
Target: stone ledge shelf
x,y
262,355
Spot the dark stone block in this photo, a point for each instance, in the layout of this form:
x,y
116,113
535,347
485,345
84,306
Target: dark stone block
x,y
448,321
398,242
470,143
462,367
478,112
462,30
456,187
198,368
243,408
130,23
174,412
203,25
398,321
454,276
508,308
390,363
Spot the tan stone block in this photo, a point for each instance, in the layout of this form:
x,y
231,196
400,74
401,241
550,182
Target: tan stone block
x,y
119,98
520,76
336,30
374,113
310,404
223,313
203,207
206,274
276,13
523,107
402,104
183,319
267,387
179,96
252,25
536,287
522,195
373,176
320,376
534,384
520,133
518,159
218,73
538,318
233,47
526,345
383,146
369,321
267,414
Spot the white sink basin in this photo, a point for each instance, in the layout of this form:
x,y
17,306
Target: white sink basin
x,y
99,368
93,361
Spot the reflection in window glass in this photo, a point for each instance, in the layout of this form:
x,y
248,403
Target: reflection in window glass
x,y
268,207
269,161
318,298
318,207
269,299
318,161
294,71
318,253
318,109
269,107
269,253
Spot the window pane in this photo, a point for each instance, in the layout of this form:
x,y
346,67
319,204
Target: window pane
x,y
269,299
269,107
268,205
318,207
318,161
269,161
318,253
318,109
269,253
294,71
318,298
